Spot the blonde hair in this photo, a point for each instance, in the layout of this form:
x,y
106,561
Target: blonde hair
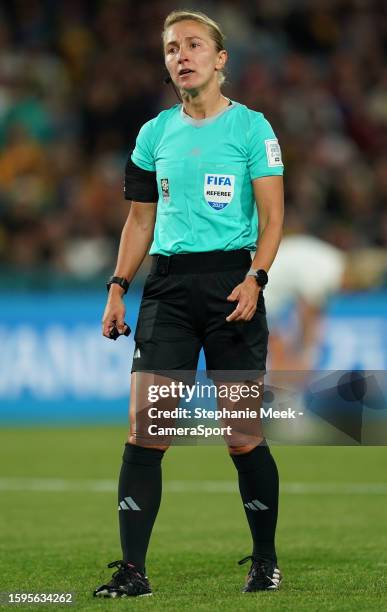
x,y
214,30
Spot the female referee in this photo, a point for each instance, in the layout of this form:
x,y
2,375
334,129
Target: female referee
x,y
201,175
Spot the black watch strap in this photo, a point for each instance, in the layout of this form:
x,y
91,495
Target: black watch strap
x,y
118,280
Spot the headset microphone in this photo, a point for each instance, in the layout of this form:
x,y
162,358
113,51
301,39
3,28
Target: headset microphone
x,y
167,80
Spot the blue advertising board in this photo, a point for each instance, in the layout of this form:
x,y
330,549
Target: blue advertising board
x,y
56,368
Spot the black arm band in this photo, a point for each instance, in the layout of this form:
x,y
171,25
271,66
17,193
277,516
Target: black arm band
x,y
140,185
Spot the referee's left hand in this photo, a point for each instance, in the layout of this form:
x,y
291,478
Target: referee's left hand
x,y
246,294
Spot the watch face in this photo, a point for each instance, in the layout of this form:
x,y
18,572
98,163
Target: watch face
x,y
117,280
262,278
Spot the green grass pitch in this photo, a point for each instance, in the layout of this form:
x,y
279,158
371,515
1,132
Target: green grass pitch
x,y
59,524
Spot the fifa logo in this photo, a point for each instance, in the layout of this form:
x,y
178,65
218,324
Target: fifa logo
x,y
217,179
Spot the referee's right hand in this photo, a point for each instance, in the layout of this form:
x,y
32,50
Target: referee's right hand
x,y
114,314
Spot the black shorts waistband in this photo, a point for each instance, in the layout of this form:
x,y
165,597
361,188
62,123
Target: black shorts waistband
x,y
210,261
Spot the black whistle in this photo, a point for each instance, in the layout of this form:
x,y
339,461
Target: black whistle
x,y
114,333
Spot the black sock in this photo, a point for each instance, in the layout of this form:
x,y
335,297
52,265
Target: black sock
x,y
258,486
139,496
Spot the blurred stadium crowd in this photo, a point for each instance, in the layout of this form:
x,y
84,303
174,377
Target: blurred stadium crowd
x,y
78,78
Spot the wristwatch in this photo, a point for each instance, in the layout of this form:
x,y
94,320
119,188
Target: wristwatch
x,y
118,280
260,276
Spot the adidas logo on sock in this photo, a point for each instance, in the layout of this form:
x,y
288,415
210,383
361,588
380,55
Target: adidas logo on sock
x,y
256,505
128,503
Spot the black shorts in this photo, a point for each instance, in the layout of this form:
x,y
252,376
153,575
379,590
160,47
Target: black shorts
x,y
184,309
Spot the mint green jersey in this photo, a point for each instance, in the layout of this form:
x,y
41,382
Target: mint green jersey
x,y
204,170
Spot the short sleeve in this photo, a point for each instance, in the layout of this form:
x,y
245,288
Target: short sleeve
x,y
143,154
264,152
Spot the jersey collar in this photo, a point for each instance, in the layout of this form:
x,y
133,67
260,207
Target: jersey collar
x,y
202,122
